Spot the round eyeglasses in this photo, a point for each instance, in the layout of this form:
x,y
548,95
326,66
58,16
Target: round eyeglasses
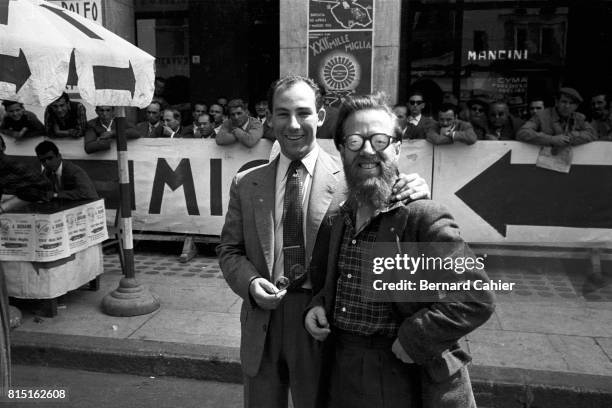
x,y
379,141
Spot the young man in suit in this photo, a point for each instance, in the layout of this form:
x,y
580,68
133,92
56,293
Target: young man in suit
x,y
380,343
273,218
69,181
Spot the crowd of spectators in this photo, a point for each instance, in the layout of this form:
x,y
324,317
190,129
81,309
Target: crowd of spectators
x,y
479,118
231,121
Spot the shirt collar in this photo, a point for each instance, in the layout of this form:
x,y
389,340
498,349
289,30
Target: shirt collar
x,y
309,161
417,118
58,172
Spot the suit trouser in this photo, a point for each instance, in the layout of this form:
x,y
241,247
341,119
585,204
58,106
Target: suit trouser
x,y
365,373
291,359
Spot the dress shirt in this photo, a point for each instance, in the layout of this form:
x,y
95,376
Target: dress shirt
x,y
306,174
414,120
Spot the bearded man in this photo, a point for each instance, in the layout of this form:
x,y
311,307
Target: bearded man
x,y
392,352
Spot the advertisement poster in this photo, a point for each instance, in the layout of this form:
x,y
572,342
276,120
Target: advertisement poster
x,y
340,15
49,237
342,62
16,235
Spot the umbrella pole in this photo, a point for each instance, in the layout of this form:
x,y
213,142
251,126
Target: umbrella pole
x,y
130,298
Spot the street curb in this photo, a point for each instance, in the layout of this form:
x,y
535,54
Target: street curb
x,y
499,387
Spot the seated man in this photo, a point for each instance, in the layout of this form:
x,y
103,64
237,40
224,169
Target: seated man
x,y
152,127
400,346
449,129
69,181
172,125
239,127
64,118
560,125
25,183
501,124
202,128
19,122
100,131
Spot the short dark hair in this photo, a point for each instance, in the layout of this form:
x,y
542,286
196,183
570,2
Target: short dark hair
x,y
64,96
155,102
358,103
597,93
290,80
445,107
176,114
6,103
415,93
45,147
199,103
236,103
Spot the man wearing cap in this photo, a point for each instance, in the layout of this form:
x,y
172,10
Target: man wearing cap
x,y
602,117
560,125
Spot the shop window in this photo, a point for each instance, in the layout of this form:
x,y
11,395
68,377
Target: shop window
x,y
481,42
547,42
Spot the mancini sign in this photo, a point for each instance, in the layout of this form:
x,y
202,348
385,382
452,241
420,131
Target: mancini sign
x,y
494,55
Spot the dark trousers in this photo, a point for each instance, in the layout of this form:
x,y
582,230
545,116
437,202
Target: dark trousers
x,y
365,373
291,359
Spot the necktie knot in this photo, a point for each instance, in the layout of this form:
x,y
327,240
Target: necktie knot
x,y
294,168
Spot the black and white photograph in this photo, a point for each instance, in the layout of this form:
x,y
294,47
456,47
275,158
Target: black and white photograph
x,y
393,204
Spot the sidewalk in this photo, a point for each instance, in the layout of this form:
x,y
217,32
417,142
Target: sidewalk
x,y
546,345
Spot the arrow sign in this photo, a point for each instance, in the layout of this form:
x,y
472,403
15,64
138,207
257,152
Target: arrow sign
x,y
72,21
523,194
120,79
15,70
4,9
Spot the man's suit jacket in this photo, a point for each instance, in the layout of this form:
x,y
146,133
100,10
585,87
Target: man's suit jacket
x,y
93,143
429,331
246,250
76,184
419,131
143,129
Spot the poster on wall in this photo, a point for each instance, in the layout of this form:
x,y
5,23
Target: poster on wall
x,y
341,15
342,62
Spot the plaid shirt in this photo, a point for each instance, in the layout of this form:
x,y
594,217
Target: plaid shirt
x,y
24,181
355,309
75,120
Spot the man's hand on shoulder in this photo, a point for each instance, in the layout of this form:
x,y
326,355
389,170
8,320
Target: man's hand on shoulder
x,y
316,323
265,294
410,187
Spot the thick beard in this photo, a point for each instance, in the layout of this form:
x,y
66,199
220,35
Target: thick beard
x,y
375,190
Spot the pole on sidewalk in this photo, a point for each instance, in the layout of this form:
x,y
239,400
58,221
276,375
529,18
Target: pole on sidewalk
x,y
130,298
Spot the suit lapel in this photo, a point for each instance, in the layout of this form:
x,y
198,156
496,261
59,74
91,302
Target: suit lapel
x,y
263,209
324,185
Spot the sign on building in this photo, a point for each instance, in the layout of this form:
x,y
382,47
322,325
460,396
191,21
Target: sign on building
x,y
90,9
